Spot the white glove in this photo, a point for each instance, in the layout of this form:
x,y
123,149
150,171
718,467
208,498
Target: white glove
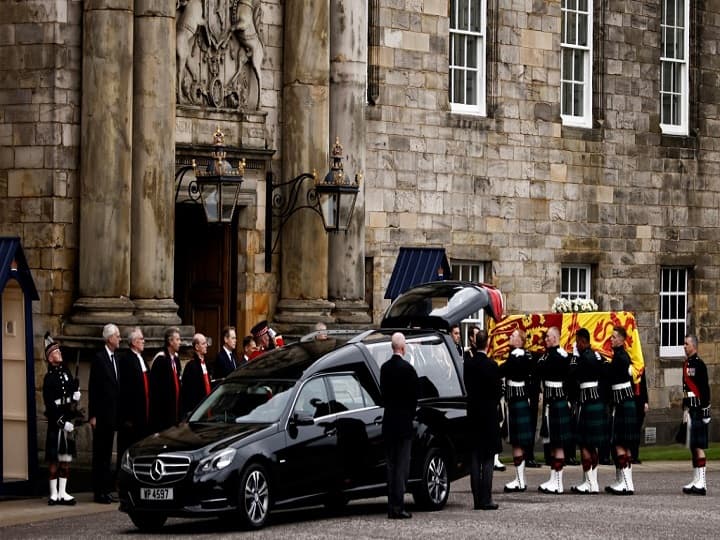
x,y
686,417
76,395
706,415
706,420
69,427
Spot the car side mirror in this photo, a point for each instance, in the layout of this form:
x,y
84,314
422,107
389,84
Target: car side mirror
x,y
303,419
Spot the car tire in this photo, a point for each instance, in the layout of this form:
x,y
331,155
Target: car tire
x,y
147,521
254,497
434,488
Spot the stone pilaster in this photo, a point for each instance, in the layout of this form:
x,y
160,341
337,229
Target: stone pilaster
x,y
348,80
106,164
153,163
304,246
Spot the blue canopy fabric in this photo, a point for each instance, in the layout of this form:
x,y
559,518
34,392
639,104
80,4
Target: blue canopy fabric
x,y
415,266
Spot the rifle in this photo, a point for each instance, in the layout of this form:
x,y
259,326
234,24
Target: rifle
x,y
77,414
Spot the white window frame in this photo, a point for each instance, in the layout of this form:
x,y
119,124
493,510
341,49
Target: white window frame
x,y
674,293
578,280
571,11
676,59
479,72
475,272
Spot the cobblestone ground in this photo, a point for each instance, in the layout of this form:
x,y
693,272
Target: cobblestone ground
x,y
658,510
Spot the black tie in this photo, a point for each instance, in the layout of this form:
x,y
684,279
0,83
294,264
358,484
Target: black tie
x,y
232,360
112,359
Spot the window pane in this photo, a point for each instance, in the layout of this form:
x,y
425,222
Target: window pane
x,y
670,12
567,64
680,44
472,45
471,88
463,15
583,30
476,17
680,13
578,71
571,28
458,50
458,86
578,100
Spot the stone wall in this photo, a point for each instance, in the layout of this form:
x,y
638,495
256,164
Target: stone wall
x,y
521,191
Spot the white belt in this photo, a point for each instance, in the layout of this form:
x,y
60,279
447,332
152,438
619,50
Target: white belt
x,y
621,386
585,385
553,384
691,394
516,384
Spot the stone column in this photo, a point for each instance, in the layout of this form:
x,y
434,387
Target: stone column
x,y
153,166
106,163
304,245
348,81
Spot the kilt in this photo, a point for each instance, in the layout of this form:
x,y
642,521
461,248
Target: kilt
x,y
520,423
625,429
591,424
698,430
58,442
557,424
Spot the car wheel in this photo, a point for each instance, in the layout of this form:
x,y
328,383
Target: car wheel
x,y
254,497
434,488
148,522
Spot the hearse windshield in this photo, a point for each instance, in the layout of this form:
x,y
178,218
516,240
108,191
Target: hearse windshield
x,y
245,400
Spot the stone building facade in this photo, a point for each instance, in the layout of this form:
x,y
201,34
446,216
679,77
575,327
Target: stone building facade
x,y
102,102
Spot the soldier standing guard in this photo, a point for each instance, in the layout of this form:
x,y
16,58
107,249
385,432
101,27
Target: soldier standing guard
x,y
60,393
520,421
553,370
696,413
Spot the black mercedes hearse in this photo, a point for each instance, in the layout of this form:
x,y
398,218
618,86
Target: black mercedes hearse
x,y
301,425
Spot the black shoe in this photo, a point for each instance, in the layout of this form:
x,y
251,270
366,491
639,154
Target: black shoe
x,y
687,491
67,502
400,515
490,506
532,464
53,502
103,498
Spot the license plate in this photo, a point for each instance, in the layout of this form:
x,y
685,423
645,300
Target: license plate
x,y
156,494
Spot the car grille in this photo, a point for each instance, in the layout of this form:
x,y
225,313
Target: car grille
x,y
162,469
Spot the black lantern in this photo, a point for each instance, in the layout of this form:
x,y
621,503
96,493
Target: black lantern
x,y
217,186
336,194
333,198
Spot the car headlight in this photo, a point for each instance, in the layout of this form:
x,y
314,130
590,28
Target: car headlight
x,y
126,462
217,461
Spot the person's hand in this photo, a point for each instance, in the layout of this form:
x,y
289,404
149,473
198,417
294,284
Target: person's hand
x,y
69,427
646,407
76,395
706,415
92,422
686,417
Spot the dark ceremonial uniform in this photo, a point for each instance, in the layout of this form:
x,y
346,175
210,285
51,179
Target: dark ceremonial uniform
x,y
623,413
516,371
58,388
591,417
696,400
553,370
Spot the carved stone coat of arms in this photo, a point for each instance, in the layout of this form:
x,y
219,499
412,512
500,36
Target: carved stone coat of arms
x,y
219,53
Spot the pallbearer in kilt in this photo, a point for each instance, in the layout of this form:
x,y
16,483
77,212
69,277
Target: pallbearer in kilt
x,y
623,414
586,371
520,423
696,413
553,371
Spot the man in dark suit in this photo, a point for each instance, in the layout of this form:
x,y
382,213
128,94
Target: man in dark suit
x,y
134,394
103,411
165,384
227,361
399,388
195,379
482,383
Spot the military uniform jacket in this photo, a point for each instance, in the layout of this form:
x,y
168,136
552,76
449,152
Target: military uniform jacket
x,y
58,388
695,380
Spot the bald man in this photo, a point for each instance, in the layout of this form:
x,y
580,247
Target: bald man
x,y
399,388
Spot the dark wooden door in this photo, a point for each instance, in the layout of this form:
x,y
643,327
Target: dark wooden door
x,y
204,288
